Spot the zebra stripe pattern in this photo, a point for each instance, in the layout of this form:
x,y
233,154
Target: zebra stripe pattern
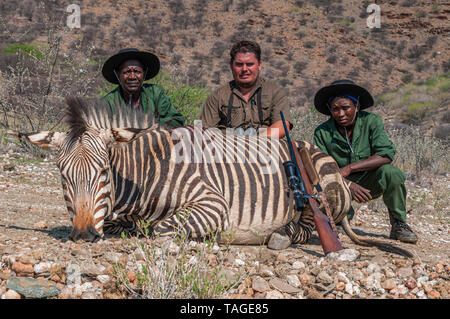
x,y
85,185
221,188
116,172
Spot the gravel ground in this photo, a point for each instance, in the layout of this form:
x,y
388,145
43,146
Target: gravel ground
x,y
38,261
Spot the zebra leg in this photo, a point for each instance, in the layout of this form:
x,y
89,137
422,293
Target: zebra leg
x,y
117,227
196,220
298,231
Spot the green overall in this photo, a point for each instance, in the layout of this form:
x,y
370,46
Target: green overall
x,y
153,98
368,138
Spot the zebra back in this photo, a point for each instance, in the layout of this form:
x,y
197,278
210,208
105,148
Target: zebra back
x,y
82,113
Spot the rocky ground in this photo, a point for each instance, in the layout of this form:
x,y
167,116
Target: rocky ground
x,y
38,261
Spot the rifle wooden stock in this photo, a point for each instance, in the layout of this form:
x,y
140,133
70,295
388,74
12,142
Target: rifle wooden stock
x,y
328,239
310,169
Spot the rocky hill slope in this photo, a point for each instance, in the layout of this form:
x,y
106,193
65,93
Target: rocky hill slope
x,y
306,44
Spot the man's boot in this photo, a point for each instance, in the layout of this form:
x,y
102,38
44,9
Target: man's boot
x,y
401,231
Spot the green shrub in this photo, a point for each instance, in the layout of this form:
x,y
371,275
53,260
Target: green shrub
x,y
187,99
300,66
104,89
332,59
407,78
417,151
310,44
418,111
29,49
441,82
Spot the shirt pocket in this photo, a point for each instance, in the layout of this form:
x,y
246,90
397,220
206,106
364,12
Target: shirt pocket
x,y
266,109
363,154
236,115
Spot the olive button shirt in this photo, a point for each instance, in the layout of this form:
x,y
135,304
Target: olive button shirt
x,y
368,138
245,113
154,99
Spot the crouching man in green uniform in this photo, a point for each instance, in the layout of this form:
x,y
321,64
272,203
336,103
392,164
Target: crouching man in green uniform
x,y
357,141
130,68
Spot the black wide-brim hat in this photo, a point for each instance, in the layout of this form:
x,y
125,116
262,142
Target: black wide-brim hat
x,y
149,61
338,88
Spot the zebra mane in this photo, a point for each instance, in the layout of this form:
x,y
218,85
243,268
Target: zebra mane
x,y
82,114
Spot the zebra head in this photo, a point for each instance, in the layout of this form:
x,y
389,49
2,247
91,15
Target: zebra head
x,y
83,161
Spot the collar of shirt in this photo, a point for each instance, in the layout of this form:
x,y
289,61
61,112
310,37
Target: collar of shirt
x,y
355,134
238,93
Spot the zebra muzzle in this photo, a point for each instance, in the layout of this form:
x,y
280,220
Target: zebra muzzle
x,y
90,234
85,222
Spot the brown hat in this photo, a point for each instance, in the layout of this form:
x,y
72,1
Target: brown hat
x,y
148,60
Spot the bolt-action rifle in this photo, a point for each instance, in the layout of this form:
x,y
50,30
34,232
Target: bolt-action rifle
x,y
300,185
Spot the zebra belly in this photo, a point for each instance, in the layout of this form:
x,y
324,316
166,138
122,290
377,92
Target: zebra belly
x,y
253,182
258,203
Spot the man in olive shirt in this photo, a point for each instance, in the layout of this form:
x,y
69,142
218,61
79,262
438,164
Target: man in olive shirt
x,y
249,102
357,141
130,68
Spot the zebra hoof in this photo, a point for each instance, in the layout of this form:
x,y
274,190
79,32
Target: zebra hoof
x,y
278,241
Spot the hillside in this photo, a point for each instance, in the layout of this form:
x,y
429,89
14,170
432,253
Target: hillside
x,y
306,44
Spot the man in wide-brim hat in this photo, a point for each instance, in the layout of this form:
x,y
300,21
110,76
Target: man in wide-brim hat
x,y
357,141
129,68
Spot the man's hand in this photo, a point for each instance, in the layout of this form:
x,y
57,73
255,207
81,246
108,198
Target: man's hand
x,y
345,171
359,193
276,130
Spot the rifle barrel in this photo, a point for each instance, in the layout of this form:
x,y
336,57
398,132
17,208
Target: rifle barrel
x,y
328,239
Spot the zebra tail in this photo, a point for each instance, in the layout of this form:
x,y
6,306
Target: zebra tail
x,y
371,242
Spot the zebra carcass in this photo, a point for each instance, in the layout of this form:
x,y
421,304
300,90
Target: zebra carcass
x,y
118,169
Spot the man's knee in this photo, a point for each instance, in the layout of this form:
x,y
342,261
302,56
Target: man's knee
x,y
389,174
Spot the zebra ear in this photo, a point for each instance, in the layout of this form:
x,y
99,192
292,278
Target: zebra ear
x,y
123,135
44,139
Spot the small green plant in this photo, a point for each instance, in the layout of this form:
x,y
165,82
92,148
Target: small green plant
x,y
407,77
441,82
104,89
29,49
172,267
332,59
187,98
416,112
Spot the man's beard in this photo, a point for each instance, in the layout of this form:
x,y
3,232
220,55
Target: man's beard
x,y
247,85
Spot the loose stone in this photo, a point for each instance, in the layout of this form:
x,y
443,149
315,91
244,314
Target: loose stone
x,y
293,281
344,255
282,286
33,288
11,294
260,284
388,284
